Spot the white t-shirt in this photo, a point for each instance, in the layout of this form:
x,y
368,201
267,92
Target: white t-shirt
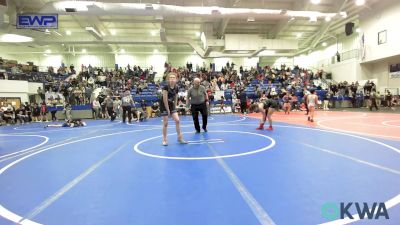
x,y
101,78
96,104
90,80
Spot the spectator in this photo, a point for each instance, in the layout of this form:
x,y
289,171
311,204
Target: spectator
x,y
9,115
181,108
117,107
305,94
367,99
155,109
243,102
109,103
40,92
389,98
137,113
326,100
378,99
222,104
353,99
43,112
1,115
28,111
20,114
287,103
360,99
96,108
53,112
35,113
67,111
295,103
374,96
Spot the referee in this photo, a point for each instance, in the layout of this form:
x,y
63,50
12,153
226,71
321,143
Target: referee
x,y
198,98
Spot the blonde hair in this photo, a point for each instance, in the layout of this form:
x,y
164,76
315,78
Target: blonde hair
x,y
172,74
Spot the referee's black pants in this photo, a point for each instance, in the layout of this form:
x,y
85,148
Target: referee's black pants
x,y
126,109
243,106
202,108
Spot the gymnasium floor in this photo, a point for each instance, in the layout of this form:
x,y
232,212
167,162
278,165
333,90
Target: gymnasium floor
x,y
119,174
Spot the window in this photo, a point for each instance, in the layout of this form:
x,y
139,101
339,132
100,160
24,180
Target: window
x,y
382,37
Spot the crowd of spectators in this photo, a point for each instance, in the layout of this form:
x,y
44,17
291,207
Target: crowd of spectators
x,y
104,90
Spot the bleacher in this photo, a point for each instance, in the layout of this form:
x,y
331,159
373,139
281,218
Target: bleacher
x,y
39,77
149,94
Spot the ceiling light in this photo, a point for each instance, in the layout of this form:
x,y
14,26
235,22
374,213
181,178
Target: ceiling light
x,y
68,32
315,2
113,32
328,19
102,33
84,50
94,32
149,6
198,34
73,6
299,35
250,19
48,51
313,19
155,51
153,33
324,44
15,38
358,30
159,18
343,14
122,51
57,33
360,2
266,53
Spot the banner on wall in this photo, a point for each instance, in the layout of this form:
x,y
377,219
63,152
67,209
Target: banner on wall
x,y
394,71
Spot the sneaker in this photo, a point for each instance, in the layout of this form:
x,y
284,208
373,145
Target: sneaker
x,y
197,132
312,120
309,118
205,130
164,143
181,141
261,127
269,128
